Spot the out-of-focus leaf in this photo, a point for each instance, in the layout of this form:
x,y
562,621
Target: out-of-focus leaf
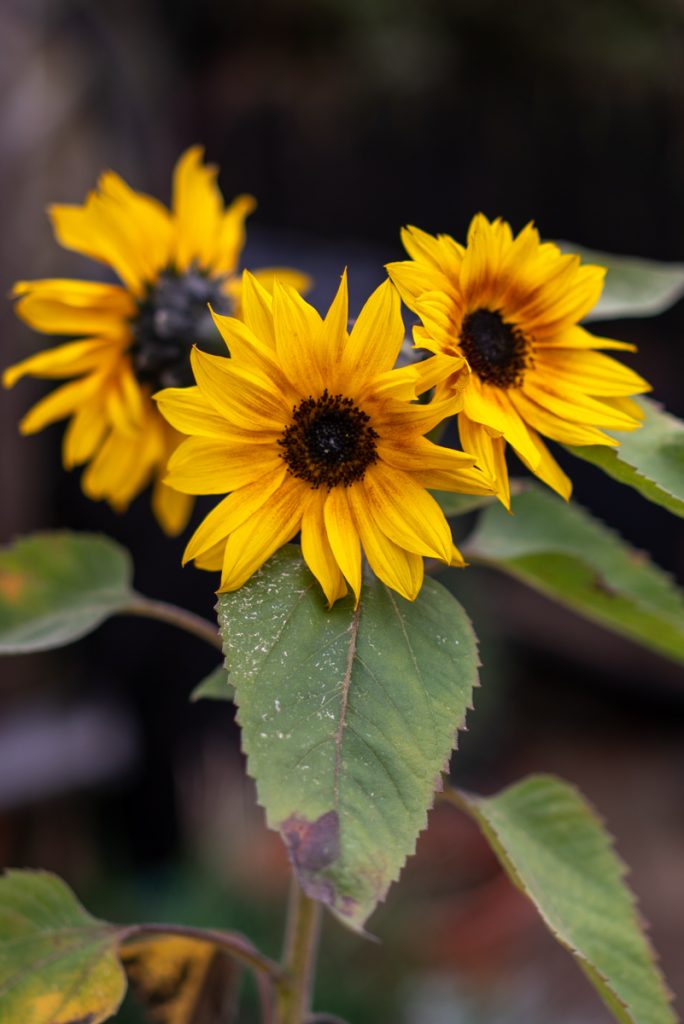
x,y
182,981
215,686
650,459
560,550
634,287
57,587
556,850
58,965
347,719
458,504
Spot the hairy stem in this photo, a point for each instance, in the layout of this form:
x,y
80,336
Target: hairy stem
x,y
179,617
295,989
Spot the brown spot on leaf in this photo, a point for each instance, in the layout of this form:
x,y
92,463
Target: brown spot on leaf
x,y
313,846
600,584
12,585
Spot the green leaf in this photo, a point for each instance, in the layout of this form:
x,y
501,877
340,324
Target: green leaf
x,y
56,587
347,719
215,686
560,550
633,287
58,965
556,850
650,459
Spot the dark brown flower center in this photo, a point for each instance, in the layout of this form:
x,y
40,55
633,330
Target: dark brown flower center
x,y
496,350
329,441
172,317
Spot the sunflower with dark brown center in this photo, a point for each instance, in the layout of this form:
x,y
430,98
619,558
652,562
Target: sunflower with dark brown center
x,y
503,314
312,429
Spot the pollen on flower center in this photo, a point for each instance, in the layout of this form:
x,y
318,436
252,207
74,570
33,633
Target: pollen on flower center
x,y
329,442
174,315
496,350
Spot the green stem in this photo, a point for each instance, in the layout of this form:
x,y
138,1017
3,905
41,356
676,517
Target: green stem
x,y
179,617
299,957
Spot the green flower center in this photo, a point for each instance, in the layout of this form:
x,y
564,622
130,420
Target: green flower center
x,y
496,350
171,318
329,441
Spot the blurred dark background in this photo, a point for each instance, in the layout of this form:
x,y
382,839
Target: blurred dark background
x,y
346,120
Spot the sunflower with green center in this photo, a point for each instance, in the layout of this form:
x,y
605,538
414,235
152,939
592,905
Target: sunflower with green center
x,y
135,337
313,430
502,314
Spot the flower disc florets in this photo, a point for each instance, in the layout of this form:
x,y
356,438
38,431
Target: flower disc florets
x,y
329,442
495,349
173,315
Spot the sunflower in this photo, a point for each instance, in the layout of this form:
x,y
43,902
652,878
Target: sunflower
x,y
503,313
311,429
135,337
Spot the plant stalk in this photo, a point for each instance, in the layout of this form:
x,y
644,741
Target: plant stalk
x,y
179,617
295,989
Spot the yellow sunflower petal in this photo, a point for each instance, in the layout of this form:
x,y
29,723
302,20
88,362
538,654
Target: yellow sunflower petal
x,y
490,454
98,229
578,338
377,334
56,306
548,470
316,549
59,404
190,412
494,408
558,429
343,537
257,309
266,530
239,395
123,466
212,559
297,332
70,360
203,465
590,372
297,279
334,335
147,221
230,238
231,513
171,508
573,405
249,351
406,513
400,569
84,434
197,208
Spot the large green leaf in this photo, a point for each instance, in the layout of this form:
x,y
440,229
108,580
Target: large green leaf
x,y
347,719
650,459
562,551
633,287
556,850
56,587
58,965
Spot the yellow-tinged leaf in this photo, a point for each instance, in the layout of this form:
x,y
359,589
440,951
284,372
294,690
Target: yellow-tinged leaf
x,y
58,965
181,980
